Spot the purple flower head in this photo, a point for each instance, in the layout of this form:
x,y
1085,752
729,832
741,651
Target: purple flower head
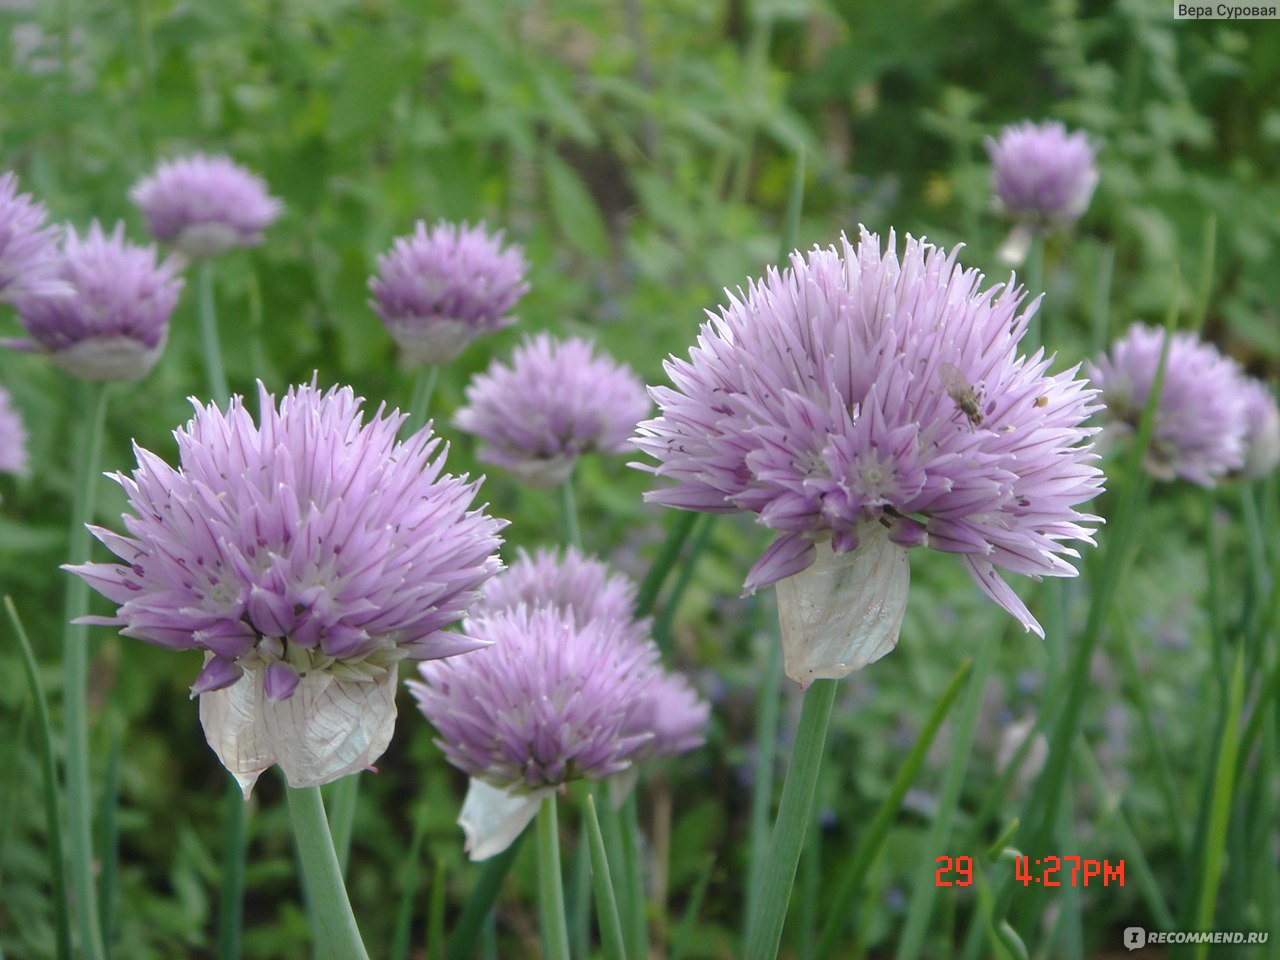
x,y
1041,174
306,554
556,698
1262,430
859,405
13,437
205,205
577,584
438,290
556,401
583,588
112,319
674,713
1199,431
28,248
545,704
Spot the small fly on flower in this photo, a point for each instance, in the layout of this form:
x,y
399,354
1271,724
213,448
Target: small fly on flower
x,y
1042,401
961,391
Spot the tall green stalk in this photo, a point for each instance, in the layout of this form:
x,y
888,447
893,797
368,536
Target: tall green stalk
x,y
49,770
569,514
76,677
555,932
424,385
334,929
220,393
764,933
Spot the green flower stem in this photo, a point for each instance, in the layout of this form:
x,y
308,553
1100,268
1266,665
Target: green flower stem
x,y
770,913
76,677
214,368
555,932
420,400
662,627
569,514
334,926
1037,329
49,770
231,898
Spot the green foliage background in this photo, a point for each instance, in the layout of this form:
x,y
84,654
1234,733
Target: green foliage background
x,y
641,152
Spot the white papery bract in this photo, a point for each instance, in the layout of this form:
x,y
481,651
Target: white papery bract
x,y
13,437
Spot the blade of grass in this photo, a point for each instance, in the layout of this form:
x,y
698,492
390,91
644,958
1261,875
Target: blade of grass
x,y
1041,810
466,932
435,916
638,932
1220,805
49,770
665,561
841,905
602,882
403,928
680,942
109,849
923,892
1164,773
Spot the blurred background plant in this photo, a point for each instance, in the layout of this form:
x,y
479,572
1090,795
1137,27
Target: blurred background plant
x,y
642,154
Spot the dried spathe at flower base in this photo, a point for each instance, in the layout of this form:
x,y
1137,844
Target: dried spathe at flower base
x,y
1043,178
437,290
1199,430
861,404
556,401
572,688
28,249
205,205
110,318
306,554
13,437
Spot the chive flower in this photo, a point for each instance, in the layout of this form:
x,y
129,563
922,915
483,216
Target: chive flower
x,y
28,248
1043,179
1200,415
13,437
205,204
572,688
110,318
556,401
860,405
306,554
437,290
